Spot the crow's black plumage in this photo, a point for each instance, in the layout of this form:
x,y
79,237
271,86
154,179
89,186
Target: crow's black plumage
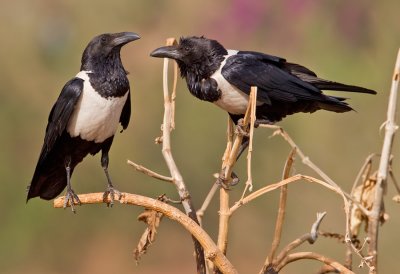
x,y
85,117
225,77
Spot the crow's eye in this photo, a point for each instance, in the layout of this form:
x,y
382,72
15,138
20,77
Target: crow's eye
x,y
103,39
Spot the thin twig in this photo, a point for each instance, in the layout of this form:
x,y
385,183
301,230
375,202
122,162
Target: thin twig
x,y
328,269
207,201
167,126
390,129
364,175
363,170
253,106
215,186
281,209
306,160
311,237
211,250
314,256
271,187
150,172
227,167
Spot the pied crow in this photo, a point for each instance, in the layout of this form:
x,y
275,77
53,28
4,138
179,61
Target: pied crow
x,y
85,118
224,77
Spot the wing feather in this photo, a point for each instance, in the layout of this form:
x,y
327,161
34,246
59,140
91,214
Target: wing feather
x,y
60,114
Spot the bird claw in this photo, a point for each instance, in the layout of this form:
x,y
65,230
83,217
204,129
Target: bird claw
x,y
222,182
112,192
71,198
241,129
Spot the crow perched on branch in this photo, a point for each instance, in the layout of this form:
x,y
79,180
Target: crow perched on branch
x,y
224,77
85,118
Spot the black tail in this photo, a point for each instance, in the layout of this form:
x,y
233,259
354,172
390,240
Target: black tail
x,y
310,77
329,85
50,177
49,180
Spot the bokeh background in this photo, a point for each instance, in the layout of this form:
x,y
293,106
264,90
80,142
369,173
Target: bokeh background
x,y
41,44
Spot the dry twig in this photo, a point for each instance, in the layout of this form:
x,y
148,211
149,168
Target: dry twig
x,y
314,256
281,209
230,157
167,126
390,129
150,172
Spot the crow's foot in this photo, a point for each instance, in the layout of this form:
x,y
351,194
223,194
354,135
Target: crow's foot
x,y
112,192
71,198
221,180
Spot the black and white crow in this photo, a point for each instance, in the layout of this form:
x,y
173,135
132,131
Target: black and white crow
x,y
85,118
224,77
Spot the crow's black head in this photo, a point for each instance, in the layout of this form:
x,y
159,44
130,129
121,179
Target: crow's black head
x,y
105,48
197,55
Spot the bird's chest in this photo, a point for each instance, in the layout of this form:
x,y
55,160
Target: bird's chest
x,y
231,98
95,118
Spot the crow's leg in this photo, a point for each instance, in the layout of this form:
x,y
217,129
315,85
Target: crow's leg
x,y
110,188
70,196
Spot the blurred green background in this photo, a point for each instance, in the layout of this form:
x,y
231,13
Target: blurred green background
x,y
41,44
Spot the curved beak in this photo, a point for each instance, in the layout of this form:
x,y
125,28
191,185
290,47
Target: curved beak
x,y
171,52
123,38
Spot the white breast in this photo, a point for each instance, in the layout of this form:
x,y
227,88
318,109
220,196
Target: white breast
x,y
232,99
95,118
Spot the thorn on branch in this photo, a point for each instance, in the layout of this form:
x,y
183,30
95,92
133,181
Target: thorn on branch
x,y
315,227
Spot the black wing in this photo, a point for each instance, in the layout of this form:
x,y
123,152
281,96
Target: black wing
x,y
60,114
126,112
282,92
248,69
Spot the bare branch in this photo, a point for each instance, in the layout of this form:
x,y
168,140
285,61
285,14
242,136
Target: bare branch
x,y
314,256
207,201
272,187
216,185
211,250
150,173
281,209
167,126
390,129
311,237
364,170
253,106
227,167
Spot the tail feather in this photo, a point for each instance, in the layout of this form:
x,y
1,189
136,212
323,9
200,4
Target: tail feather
x,y
338,106
48,181
329,85
50,177
309,76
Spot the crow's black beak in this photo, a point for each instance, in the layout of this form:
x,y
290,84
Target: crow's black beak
x,y
171,52
123,38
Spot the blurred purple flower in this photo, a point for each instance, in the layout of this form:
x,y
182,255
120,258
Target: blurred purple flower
x,y
247,14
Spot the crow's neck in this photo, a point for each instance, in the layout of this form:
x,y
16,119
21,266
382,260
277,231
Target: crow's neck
x,y
196,72
107,75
